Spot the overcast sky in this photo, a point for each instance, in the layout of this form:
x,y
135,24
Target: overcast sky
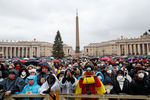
x,y
99,20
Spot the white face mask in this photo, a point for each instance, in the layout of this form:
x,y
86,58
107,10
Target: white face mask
x,y
89,69
99,77
119,78
108,88
120,65
133,65
141,75
55,70
24,73
109,71
10,67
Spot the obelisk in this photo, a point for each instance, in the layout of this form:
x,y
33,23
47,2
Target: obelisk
x,y
77,36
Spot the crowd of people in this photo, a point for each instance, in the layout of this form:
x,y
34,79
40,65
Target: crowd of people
x,y
115,75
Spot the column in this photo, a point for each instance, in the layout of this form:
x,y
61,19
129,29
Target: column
x,y
22,52
139,49
6,52
147,49
143,49
18,51
10,52
26,52
118,49
31,52
2,51
38,51
130,47
127,49
14,51
134,47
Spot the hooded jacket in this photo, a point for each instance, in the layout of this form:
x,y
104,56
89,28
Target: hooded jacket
x,y
68,84
42,74
101,75
54,86
15,85
34,87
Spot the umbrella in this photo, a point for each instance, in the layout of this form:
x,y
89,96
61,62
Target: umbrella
x,y
57,61
31,62
2,59
23,61
106,58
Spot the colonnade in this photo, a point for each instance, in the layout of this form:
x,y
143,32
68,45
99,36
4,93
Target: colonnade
x,y
22,51
133,49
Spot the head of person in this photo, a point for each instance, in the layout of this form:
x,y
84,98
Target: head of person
x,y
31,80
32,72
120,75
18,68
11,66
100,76
140,73
108,84
13,74
60,75
89,70
110,70
51,79
44,69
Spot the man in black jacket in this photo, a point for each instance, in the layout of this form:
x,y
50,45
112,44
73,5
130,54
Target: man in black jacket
x,y
140,85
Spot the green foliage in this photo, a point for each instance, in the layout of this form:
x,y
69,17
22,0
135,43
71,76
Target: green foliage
x,y
58,47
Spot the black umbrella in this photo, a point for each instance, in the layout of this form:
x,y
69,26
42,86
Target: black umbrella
x,y
31,62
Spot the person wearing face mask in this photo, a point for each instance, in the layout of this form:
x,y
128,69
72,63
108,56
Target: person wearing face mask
x,y
89,83
41,78
24,73
11,66
68,82
109,85
109,73
121,84
126,74
52,83
12,83
100,76
140,85
32,87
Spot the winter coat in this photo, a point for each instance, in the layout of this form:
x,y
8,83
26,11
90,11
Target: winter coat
x,y
45,86
125,89
68,85
42,74
32,88
101,75
140,87
109,80
4,71
15,85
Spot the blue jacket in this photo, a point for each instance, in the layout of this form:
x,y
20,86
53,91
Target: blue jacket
x,y
33,88
101,75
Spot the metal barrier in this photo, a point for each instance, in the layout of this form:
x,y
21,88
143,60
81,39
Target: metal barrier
x,y
13,97
105,97
65,96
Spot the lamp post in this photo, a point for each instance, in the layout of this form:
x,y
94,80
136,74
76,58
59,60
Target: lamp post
x,y
103,51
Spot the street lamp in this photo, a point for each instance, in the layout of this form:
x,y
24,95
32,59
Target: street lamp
x,y
103,51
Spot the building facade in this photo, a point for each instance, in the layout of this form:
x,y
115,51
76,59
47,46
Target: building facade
x,y
101,49
9,49
120,47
